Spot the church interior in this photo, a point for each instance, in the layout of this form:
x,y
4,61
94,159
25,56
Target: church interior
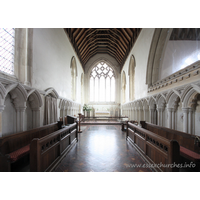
x,y
100,100
142,83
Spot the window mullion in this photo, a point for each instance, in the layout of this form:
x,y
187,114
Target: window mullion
x,y
105,90
110,90
98,87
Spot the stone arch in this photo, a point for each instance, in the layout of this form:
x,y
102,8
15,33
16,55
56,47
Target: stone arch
x,y
19,96
131,73
160,101
158,45
82,88
152,110
123,87
52,92
145,104
110,64
152,103
62,104
50,107
172,100
35,98
74,74
34,103
189,96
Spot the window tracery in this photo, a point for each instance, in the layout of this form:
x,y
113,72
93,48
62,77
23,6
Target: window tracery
x,y
102,83
7,44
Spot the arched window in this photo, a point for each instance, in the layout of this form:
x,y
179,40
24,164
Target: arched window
x,y
102,83
131,73
7,44
73,75
123,87
82,88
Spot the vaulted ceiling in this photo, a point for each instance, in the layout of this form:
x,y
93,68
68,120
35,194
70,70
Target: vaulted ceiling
x,y
117,42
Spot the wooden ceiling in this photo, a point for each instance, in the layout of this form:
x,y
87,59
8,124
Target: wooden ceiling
x,y
185,34
117,42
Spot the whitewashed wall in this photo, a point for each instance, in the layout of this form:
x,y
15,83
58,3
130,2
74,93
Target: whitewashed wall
x,y
178,55
140,51
48,61
52,54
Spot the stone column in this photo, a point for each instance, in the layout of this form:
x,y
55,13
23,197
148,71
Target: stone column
x,y
145,113
20,118
185,119
36,117
169,117
132,114
190,121
139,115
1,111
151,114
173,118
160,116
136,115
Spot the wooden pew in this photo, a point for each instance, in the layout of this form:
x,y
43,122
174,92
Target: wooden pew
x,y
47,152
71,119
16,146
159,152
187,142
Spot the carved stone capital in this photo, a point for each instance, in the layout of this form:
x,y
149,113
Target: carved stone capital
x,y
2,108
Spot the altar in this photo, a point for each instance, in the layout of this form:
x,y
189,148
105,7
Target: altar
x,y
102,113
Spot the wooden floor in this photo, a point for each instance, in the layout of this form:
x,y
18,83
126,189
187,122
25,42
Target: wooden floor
x,y
102,148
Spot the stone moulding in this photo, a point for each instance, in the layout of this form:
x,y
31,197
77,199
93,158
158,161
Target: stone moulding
x,y
180,91
186,73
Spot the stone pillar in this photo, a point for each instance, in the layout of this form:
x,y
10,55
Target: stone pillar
x,y
160,116
136,115
139,115
190,121
132,114
173,118
185,119
36,117
169,117
151,114
145,113
20,118
1,111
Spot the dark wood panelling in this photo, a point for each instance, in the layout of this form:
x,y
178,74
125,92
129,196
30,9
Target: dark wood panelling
x,y
116,42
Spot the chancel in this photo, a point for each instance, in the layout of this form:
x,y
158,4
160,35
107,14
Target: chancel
x,y
99,99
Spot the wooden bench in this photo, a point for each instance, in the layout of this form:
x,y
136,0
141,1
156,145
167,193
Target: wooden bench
x,y
160,153
47,152
16,146
187,142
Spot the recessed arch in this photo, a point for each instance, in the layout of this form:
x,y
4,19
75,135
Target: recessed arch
x,y
74,74
131,73
123,87
158,45
102,83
